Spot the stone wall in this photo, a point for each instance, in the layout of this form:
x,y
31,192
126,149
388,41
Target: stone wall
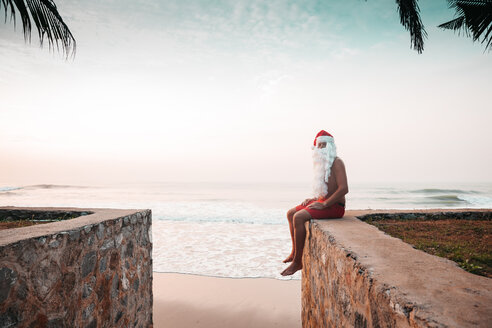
x,y
92,271
356,276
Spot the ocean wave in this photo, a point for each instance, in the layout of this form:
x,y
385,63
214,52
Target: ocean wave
x,y
52,186
387,198
216,211
441,191
461,200
446,198
481,201
6,189
253,220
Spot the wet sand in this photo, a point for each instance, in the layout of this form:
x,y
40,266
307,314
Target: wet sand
x,y
184,300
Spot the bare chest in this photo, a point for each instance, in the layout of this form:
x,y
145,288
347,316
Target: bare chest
x,y
332,185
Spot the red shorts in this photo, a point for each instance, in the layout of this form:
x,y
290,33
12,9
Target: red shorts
x,y
335,211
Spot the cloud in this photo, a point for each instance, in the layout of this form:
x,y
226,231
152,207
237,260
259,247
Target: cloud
x,y
269,80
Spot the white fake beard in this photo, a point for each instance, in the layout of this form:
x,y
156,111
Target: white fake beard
x,y
323,159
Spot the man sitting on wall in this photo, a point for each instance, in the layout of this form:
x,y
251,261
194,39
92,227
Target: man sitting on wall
x,y
330,187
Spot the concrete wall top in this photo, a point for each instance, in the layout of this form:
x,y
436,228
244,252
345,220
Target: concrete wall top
x,y
437,288
97,216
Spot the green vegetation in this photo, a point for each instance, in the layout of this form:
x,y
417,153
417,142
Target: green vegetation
x,y
466,242
10,219
20,223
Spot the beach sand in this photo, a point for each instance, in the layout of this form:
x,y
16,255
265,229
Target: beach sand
x,y
185,300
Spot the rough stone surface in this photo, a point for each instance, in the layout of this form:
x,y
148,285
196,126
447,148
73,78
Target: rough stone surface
x,y
7,280
102,264
356,276
86,291
52,276
89,263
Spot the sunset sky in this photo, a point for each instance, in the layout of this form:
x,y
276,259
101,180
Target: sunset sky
x,y
237,90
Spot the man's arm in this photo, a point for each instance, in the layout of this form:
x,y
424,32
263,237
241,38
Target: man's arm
x,y
307,200
338,169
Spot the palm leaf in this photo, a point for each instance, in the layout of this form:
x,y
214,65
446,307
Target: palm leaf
x,y
455,24
410,18
23,12
49,23
475,17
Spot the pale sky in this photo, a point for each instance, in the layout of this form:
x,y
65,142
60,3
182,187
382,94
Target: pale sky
x,y
237,90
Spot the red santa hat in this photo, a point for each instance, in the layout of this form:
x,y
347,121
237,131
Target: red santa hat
x,y
323,136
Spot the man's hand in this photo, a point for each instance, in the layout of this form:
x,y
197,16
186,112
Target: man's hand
x,y
316,206
306,201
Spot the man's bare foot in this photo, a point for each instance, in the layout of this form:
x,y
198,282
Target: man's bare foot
x,y
289,258
291,269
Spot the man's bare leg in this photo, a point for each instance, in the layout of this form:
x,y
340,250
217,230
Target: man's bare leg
x,y
300,237
290,218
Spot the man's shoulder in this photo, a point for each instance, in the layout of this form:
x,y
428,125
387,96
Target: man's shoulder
x,y
338,161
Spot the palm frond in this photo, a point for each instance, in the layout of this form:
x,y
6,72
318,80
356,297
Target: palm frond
x,y
23,12
49,23
456,24
476,17
410,18
488,37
